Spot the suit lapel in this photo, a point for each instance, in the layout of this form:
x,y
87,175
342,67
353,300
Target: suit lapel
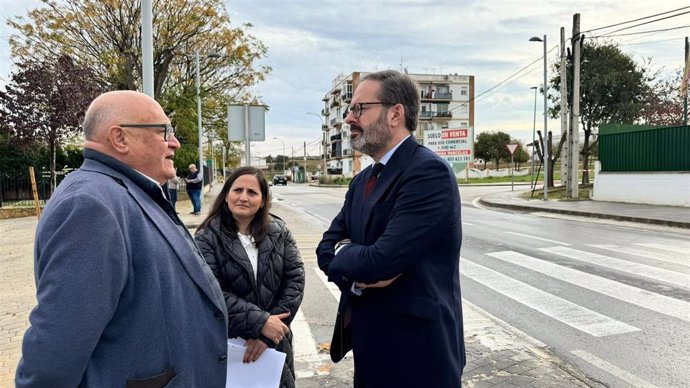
x,y
186,254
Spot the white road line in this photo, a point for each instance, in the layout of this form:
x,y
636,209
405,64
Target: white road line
x,y
538,238
467,224
335,291
612,369
304,347
637,269
571,314
665,247
629,294
667,257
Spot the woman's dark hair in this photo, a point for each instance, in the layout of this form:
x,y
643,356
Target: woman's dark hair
x,y
259,225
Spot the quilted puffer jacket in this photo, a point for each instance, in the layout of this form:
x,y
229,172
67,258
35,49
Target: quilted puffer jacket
x,y
279,286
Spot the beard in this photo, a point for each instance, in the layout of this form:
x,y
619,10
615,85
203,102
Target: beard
x,y
373,139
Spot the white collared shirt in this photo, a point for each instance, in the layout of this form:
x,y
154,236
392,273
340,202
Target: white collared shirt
x,y
252,251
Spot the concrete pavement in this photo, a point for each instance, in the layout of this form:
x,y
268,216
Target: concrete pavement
x,y
640,213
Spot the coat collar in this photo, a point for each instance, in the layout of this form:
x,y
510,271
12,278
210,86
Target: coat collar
x,y
163,222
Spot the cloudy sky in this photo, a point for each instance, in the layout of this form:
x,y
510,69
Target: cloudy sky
x,y
313,41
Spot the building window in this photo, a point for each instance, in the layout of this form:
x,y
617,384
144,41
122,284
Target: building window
x,y
464,91
464,124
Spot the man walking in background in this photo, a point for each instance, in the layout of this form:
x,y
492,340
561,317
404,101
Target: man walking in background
x,y
194,181
394,249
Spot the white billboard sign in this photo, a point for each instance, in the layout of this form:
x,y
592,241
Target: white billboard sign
x,y
453,145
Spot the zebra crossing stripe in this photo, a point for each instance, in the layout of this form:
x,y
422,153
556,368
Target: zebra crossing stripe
x,y
571,314
612,369
304,347
665,247
629,294
637,269
669,258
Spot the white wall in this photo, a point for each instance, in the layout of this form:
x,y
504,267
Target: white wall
x,y
651,188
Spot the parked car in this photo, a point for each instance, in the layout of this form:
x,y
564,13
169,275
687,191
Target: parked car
x,y
280,180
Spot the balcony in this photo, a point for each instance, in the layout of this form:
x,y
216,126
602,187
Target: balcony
x,y
443,115
436,96
336,121
325,112
335,102
324,127
350,152
346,97
336,90
425,114
338,137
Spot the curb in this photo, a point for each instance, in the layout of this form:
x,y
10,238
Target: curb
x,y
641,220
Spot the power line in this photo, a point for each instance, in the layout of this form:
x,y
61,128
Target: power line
x,y
502,83
635,20
645,23
638,33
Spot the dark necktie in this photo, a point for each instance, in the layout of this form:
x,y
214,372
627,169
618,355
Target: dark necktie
x,y
375,171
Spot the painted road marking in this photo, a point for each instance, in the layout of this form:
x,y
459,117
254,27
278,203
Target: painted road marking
x,y
637,269
571,314
612,369
629,294
538,238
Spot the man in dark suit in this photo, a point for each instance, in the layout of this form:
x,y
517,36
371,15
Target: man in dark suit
x,y
394,248
124,297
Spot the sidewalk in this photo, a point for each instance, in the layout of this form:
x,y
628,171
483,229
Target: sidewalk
x,y
640,213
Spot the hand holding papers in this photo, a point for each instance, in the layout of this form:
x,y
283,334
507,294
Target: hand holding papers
x,y
263,373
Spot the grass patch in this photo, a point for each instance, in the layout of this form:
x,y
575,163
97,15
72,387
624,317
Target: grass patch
x,y
558,193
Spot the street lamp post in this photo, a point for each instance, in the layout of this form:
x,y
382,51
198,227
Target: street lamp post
x,y
281,140
534,128
323,143
198,114
546,135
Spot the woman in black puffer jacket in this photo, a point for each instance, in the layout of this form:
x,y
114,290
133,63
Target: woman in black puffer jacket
x,y
255,259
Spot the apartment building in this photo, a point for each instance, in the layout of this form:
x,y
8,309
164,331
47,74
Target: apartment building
x,y
447,101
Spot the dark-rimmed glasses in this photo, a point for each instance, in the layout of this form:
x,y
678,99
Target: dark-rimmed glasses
x,y
358,107
168,129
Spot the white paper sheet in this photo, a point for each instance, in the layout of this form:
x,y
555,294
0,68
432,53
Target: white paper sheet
x,y
262,373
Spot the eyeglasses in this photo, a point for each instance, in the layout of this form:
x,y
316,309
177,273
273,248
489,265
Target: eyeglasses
x,y
358,107
168,129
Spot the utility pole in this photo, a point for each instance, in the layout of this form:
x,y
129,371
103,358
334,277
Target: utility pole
x,y
565,156
574,129
685,86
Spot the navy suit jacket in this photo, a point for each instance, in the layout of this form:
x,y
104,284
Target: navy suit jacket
x,y
410,333
121,293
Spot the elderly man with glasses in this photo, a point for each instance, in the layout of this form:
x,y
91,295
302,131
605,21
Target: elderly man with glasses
x,y
124,296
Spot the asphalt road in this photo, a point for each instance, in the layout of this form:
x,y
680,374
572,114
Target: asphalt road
x,y
611,298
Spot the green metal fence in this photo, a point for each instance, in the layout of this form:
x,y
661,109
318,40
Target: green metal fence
x,y
644,148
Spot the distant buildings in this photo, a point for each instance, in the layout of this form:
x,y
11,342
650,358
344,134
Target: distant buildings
x,y
447,101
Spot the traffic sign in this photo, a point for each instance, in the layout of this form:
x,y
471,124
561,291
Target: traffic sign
x,y
512,148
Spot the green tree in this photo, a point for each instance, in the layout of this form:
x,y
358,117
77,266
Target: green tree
x,y
105,36
613,89
45,103
492,146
